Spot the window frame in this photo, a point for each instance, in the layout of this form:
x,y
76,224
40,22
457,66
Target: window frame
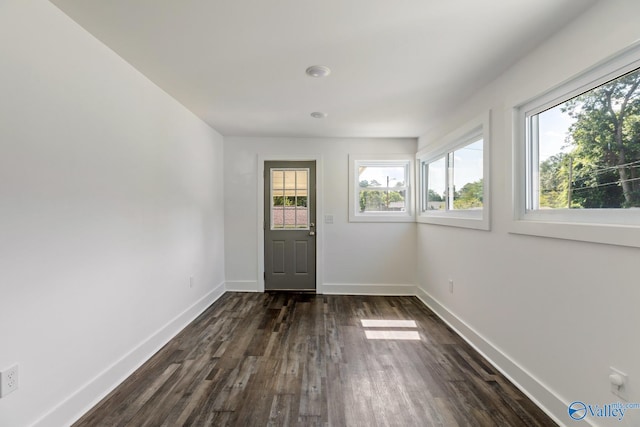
x,y
403,160
478,128
272,206
616,226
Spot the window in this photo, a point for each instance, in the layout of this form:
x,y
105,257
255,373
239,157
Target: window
x,y
584,153
289,199
380,188
452,178
577,150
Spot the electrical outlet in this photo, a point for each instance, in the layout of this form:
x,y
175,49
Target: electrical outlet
x,y
618,382
450,286
8,380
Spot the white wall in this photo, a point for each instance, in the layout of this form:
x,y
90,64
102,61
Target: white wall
x,y
110,199
356,255
562,311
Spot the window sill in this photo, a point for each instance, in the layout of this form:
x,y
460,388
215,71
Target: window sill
x,y
610,234
470,219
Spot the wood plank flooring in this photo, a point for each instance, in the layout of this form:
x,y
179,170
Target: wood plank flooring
x,y
282,359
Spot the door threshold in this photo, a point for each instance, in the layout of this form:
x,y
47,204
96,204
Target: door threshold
x,y
292,291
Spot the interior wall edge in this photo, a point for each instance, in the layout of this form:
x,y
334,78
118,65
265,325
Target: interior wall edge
x,y
546,399
78,403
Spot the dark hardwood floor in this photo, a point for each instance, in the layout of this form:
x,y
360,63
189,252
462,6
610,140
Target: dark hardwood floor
x,y
279,359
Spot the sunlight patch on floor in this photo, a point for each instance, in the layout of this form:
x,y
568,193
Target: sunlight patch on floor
x,y
376,323
387,333
392,335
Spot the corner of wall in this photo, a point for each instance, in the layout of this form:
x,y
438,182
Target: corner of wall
x,y
539,393
241,286
77,404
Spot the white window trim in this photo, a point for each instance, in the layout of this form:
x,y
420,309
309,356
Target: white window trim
x,y
355,215
608,226
480,127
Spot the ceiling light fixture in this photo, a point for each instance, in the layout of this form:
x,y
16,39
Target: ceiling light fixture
x,y
318,115
318,71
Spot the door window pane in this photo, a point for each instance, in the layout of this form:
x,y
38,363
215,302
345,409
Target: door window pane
x,y
289,195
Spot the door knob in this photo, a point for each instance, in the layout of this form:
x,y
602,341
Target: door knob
x,y
312,233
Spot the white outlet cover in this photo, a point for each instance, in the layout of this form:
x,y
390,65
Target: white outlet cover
x,y
621,391
9,381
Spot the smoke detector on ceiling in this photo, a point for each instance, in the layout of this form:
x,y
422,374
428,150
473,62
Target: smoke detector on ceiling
x,y
318,71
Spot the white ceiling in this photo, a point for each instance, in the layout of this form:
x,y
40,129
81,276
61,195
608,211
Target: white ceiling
x,y
397,65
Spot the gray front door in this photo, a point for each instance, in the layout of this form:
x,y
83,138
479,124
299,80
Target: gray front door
x,y
289,232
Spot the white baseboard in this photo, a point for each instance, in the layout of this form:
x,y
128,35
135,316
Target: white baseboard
x,y
334,288
76,405
241,286
367,289
542,396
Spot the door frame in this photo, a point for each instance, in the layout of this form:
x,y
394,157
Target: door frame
x,y
319,214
